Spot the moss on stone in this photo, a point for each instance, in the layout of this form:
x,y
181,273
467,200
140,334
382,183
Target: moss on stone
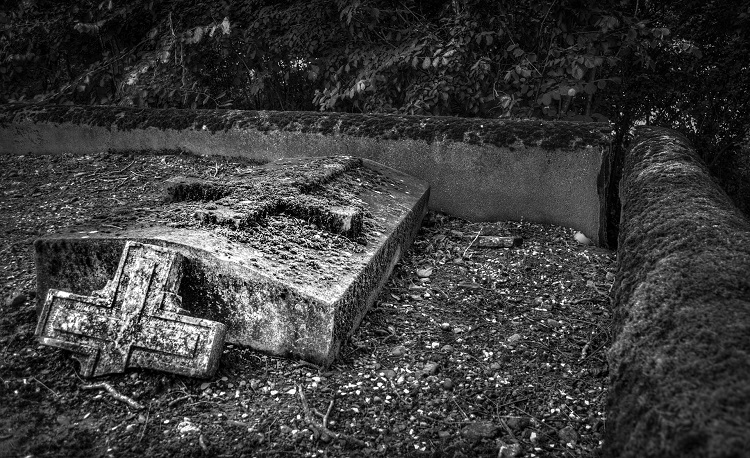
x,y
680,363
501,133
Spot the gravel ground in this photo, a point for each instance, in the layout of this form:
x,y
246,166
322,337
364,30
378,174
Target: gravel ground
x,y
468,351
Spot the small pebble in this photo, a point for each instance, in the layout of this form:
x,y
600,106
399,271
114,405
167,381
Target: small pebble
x,y
581,238
568,434
509,450
388,373
448,384
480,430
424,273
429,368
516,423
398,351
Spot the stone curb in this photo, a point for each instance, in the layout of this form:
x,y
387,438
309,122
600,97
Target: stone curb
x,y
680,362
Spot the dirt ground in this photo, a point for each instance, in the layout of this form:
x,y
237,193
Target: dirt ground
x,y
468,351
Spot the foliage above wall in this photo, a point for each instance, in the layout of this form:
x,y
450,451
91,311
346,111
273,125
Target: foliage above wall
x,y
682,64
487,58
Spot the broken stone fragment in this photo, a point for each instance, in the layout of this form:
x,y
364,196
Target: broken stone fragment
x,y
134,321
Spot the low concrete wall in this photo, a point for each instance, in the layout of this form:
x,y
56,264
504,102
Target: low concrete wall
x,y
680,363
479,169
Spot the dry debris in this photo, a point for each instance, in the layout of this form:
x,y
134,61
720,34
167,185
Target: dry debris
x,y
114,393
470,351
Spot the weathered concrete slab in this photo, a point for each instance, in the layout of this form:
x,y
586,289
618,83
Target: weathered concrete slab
x,y
134,321
289,255
680,362
479,169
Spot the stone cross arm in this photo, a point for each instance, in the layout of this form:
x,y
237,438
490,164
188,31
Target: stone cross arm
x,y
299,189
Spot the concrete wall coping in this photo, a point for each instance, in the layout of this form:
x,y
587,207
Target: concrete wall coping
x,y
548,135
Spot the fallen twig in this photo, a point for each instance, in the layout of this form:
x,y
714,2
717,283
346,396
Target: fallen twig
x,y
472,242
535,418
180,399
116,172
513,402
113,392
326,415
508,430
50,389
241,424
462,410
119,183
585,299
322,429
308,364
145,424
10,341
585,350
592,353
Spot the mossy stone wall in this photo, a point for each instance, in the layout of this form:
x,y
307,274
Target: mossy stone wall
x,y
680,363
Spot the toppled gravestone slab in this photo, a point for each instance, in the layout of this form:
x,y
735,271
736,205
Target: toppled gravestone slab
x,y
289,256
680,362
133,321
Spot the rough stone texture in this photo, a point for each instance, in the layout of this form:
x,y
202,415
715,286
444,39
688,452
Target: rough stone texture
x,y
241,202
680,363
283,281
134,321
479,169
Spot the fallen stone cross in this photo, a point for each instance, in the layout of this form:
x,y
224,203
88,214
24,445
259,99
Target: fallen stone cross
x,y
134,321
289,256
238,203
